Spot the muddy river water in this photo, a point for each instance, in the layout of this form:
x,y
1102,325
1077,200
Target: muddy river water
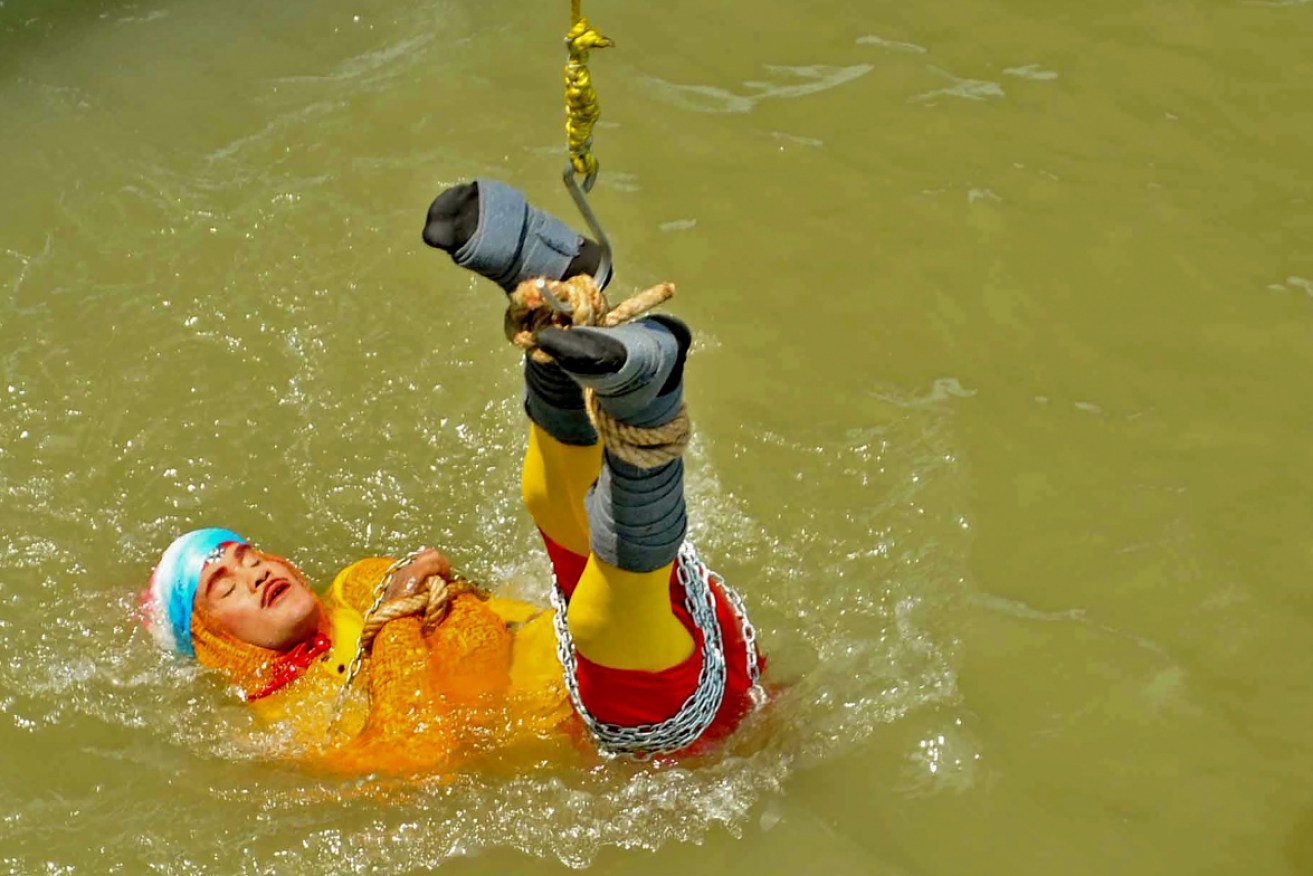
x,y
1004,317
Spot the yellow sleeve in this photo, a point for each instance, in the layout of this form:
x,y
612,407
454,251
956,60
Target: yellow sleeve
x,y
349,596
353,587
512,611
403,698
401,688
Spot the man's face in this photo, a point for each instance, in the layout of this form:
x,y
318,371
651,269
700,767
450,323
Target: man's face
x,y
257,597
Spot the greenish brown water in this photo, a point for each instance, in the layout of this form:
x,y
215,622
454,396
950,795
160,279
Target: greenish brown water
x,y
1005,328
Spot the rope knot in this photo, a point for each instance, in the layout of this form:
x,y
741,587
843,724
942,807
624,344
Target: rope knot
x,y
540,303
582,37
642,446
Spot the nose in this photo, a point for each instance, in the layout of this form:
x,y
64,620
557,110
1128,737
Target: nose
x,y
258,579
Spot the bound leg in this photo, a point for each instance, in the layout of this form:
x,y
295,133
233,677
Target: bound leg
x,y
614,560
562,461
620,613
488,227
639,654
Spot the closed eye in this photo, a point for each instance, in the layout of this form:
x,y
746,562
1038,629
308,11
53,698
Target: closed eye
x,y
219,583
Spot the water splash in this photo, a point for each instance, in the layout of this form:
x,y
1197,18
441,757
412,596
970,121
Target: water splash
x,y
850,627
966,89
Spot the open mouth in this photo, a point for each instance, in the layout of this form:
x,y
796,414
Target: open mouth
x,y
275,590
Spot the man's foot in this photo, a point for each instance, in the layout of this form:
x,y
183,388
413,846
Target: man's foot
x,y
489,227
586,353
635,369
453,217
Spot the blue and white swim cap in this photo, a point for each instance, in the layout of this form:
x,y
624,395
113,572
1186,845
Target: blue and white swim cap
x,y
174,582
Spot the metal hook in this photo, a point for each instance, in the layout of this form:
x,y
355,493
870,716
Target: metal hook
x,y
552,301
581,201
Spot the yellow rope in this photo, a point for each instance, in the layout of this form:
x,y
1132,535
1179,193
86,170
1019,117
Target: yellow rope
x,y
581,106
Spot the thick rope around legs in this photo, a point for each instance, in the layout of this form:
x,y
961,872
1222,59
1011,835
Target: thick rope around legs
x,y
539,303
645,447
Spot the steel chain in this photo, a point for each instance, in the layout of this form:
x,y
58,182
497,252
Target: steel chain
x,y
699,710
749,633
357,661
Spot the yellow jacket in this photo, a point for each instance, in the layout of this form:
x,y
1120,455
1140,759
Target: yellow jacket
x,y
484,687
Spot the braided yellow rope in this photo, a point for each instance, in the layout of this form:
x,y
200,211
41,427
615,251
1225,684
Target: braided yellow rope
x,y
581,105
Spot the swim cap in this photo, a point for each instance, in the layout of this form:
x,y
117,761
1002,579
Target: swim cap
x,y
173,586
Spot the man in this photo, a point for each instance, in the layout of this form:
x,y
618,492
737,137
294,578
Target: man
x,y
656,652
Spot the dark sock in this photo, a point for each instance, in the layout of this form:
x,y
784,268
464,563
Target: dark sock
x,y
585,353
453,217
554,401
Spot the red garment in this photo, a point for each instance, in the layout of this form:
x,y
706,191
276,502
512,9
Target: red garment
x,y
630,697
288,667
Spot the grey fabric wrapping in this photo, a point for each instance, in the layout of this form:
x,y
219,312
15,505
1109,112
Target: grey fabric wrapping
x,y
636,516
630,394
556,403
512,242
515,241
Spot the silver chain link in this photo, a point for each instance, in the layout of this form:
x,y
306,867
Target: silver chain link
x,y
358,660
643,741
749,633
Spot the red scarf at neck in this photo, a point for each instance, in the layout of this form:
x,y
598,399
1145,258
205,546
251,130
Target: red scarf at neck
x,y
289,666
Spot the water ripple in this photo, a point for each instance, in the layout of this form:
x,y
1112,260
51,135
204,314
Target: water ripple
x,y
714,99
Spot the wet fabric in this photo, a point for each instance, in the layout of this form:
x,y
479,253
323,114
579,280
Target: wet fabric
x,y
435,702
632,697
514,240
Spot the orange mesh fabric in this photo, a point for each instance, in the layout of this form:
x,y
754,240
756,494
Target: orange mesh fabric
x,y
469,692
466,693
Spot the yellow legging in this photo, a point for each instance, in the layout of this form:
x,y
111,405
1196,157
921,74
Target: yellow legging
x,y
618,618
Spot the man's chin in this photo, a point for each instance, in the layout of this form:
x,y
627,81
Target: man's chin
x,y
301,623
